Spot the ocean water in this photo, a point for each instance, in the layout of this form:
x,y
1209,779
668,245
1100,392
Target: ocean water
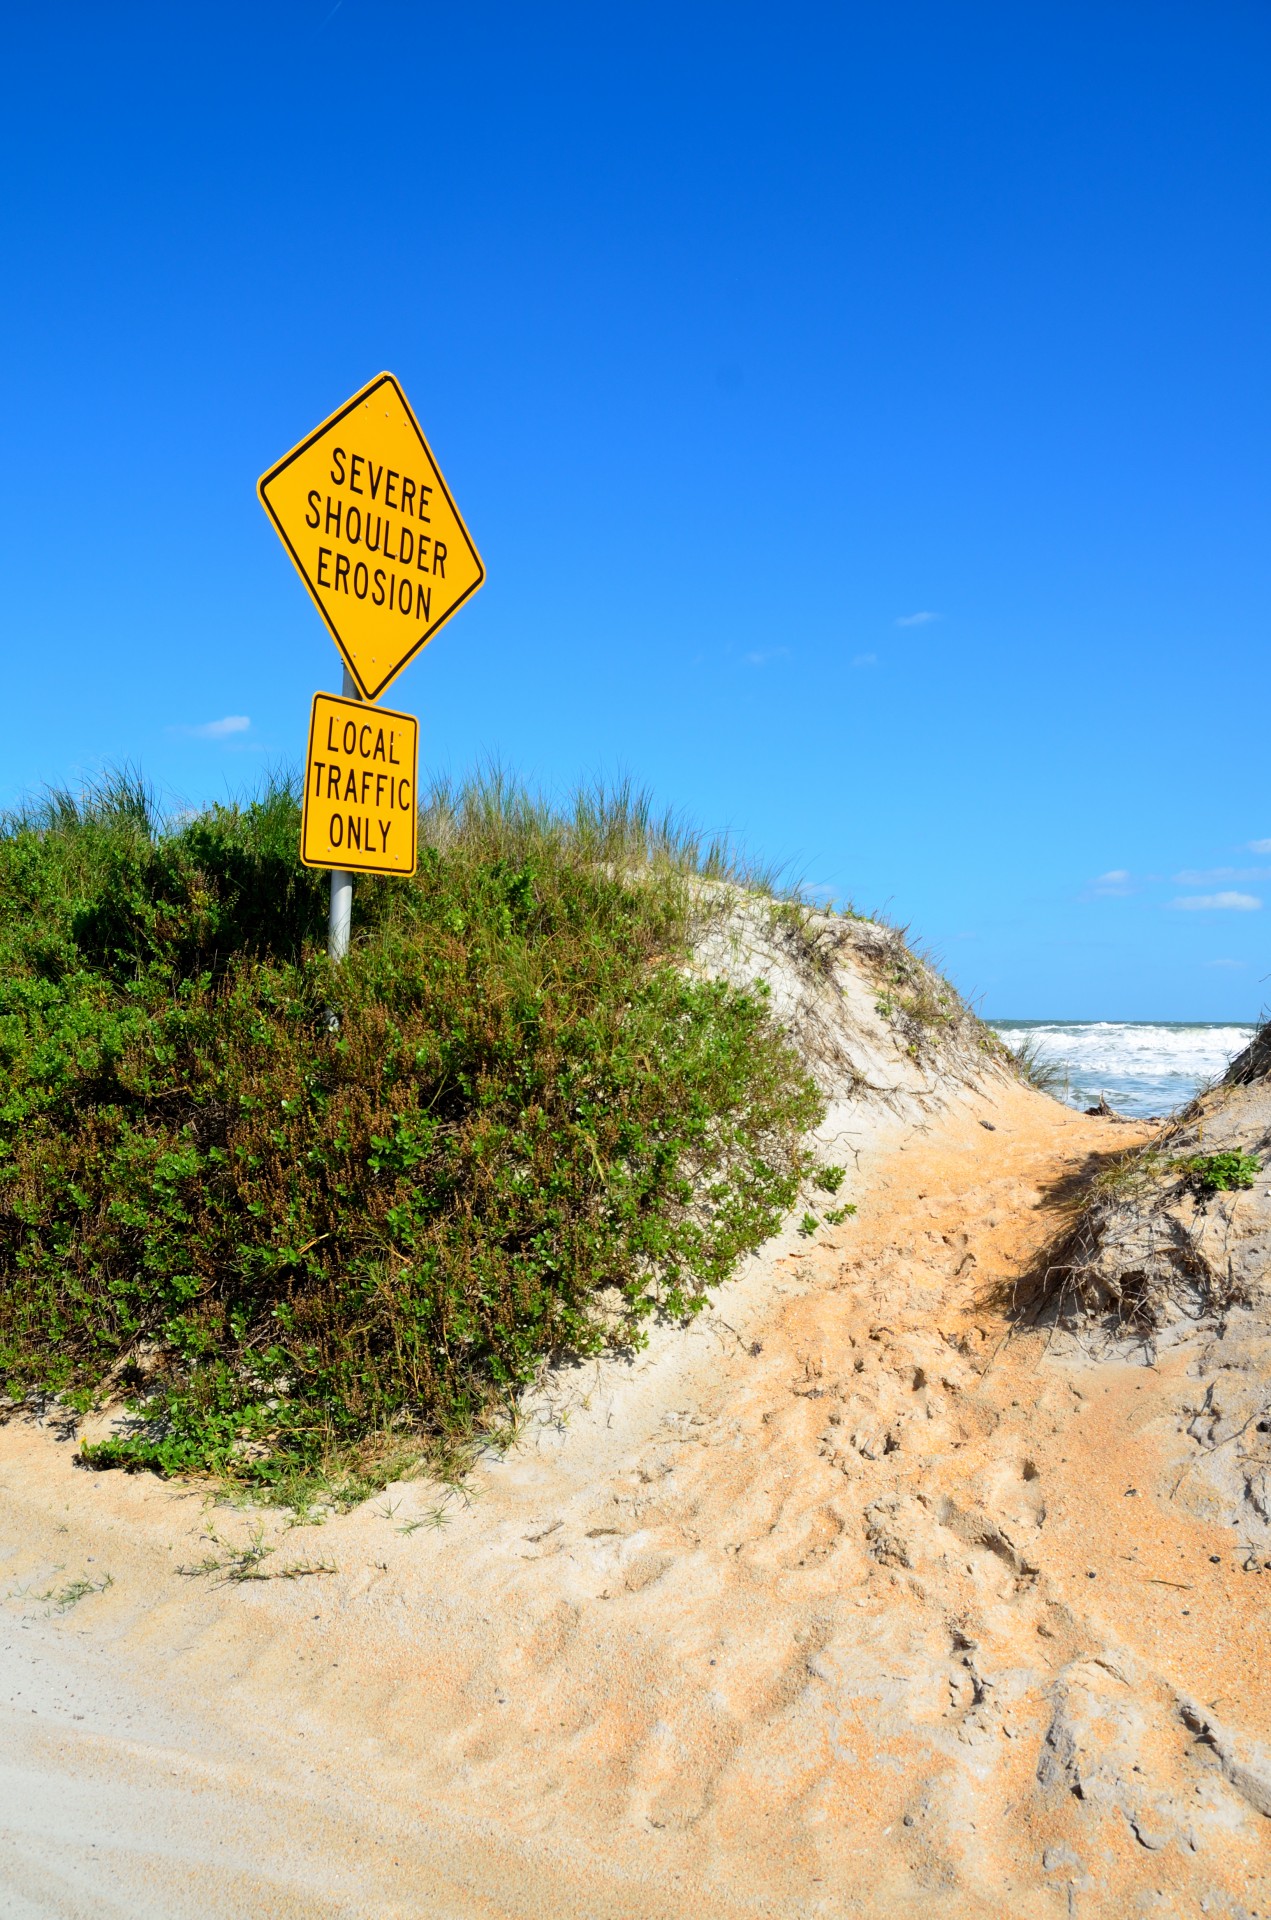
x,y
1143,1066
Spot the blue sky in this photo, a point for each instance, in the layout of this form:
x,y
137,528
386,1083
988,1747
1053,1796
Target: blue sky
x,y
862,414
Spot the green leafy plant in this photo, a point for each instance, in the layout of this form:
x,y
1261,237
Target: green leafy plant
x,y
829,1179
301,1250
1221,1172
837,1215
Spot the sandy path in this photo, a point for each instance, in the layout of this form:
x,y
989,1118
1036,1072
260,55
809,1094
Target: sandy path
x,y
839,1604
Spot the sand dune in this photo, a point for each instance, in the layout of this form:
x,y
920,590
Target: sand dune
x,y
849,1599
832,1605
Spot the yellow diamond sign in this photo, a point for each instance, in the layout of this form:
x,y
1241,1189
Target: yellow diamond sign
x,y
363,511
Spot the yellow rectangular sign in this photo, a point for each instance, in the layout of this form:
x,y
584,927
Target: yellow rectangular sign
x,y
361,805
362,509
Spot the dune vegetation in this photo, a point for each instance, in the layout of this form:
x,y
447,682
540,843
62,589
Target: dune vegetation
x,y
302,1222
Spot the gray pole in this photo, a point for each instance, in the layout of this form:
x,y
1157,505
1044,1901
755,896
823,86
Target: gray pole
x,y
341,912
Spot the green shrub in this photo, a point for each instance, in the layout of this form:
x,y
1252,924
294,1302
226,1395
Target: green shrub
x,y
292,1242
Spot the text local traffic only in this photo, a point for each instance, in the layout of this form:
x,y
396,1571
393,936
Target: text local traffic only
x,y
360,787
411,558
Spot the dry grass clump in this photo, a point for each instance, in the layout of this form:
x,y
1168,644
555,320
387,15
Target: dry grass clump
x,y
929,1015
1044,1076
1136,1249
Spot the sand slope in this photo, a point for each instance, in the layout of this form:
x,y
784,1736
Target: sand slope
x,y
839,1604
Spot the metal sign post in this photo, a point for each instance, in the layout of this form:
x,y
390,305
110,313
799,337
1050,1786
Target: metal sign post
x,y
340,913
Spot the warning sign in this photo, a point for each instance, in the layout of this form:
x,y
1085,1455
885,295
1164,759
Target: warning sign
x,y
363,511
361,810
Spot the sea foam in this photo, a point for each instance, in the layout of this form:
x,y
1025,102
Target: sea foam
x,y
1142,1066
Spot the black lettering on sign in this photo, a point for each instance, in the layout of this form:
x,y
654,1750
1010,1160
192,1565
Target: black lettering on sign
x,y
342,571
378,595
408,494
356,462
350,735
384,826
362,747
319,768
355,832
335,509
367,777
352,533
423,600
330,733
381,780
324,554
388,525
378,751
439,557
350,786
407,539
373,546
403,795
333,783
375,478
389,484
421,558
393,760
338,458
336,830
361,580
392,589
424,492
315,508
403,598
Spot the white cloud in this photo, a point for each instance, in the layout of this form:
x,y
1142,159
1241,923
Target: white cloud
x,y
1114,884
1218,903
1260,846
916,619
761,659
216,729
1215,876
864,659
